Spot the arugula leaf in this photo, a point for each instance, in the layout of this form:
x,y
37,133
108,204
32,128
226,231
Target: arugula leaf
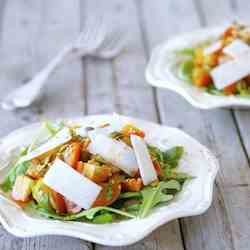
x,y
156,154
155,195
40,196
89,214
179,176
185,52
169,158
44,202
134,207
103,218
242,88
212,90
185,70
129,195
53,129
173,156
109,193
172,184
16,170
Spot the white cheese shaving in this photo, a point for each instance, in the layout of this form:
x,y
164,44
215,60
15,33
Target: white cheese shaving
x,y
116,152
231,72
212,48
82,131
75,187
60,138
146,167
107,130
236,48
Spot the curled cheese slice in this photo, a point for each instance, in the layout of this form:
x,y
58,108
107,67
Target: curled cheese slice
x,y
146,167
113,151
60,138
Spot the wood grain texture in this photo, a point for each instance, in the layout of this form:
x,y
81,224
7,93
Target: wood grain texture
x,y
32,32
215,229
235,206
119,85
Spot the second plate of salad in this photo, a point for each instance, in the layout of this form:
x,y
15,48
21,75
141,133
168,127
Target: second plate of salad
x,y
209,67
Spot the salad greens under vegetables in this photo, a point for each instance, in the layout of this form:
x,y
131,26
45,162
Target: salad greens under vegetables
x,y
197,65
122,195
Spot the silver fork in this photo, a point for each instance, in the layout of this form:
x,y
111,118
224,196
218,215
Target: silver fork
x,y
98,38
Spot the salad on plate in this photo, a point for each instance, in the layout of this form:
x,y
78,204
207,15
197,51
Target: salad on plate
x,y
96,174
221,66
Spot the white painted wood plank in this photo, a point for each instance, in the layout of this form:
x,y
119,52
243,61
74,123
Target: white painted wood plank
x,y
32,32
237,201
9,242
237,197
205,7
119,85
213,128
99,91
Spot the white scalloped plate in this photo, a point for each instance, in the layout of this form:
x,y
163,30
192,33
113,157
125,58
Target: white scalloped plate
x,y
195,198
162,67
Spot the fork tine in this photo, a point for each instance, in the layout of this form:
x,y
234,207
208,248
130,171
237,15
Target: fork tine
x,y
88,23
113,41
94,25
90,33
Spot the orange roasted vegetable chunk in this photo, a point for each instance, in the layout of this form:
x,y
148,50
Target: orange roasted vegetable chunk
x,y
198,57
109,194
22,188
157,167
201,77
79,167
130,129
72,154
36,170
132,185
212,60
230,89
97,173
229,32
57,202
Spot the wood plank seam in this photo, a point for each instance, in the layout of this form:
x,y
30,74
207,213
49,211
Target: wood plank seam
x,y
2,9
234,4
115,87
226,216
240,136
200,12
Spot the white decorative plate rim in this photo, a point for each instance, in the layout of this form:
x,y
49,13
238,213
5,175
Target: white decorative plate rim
x,y
165,78
18,223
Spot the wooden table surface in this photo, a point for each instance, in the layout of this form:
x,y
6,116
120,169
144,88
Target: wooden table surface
x,y
32,31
